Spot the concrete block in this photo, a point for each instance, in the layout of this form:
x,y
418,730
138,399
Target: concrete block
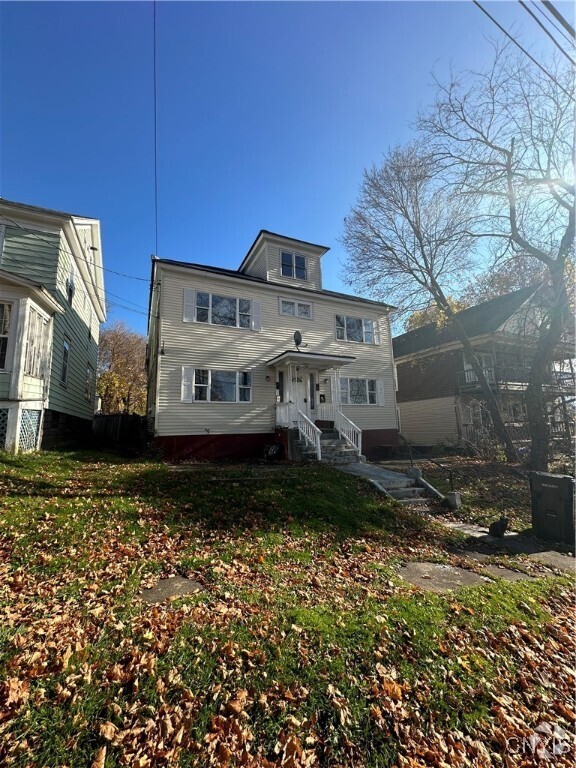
x,y
454,500
414,472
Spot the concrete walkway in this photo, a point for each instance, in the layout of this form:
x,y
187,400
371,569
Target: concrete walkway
x,y
384,477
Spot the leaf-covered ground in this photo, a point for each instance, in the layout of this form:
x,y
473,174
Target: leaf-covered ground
x,y
304,649
489,489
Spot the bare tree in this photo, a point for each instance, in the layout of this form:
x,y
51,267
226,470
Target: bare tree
x,y
409,237
121,382
505,140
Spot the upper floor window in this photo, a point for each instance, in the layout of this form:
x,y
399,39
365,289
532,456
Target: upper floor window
x,y
294,265
65,362
36,344
296,308
89,384
208,386
5,312
70,287
356,329
204,307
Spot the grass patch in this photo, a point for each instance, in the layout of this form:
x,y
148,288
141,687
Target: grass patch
x,y
303,643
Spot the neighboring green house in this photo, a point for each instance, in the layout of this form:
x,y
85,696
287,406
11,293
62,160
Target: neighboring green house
x,y
51,307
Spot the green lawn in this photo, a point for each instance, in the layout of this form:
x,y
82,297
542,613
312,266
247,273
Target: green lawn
x,y
304,649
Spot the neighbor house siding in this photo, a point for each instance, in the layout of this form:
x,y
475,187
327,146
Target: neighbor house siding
x,y
74,325
5,385
429,422
219,347
428,377
31,254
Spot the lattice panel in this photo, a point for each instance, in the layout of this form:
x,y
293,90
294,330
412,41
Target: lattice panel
x,y
29,427
3,427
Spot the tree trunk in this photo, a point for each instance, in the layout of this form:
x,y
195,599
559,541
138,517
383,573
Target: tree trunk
x,y
550,336
500,428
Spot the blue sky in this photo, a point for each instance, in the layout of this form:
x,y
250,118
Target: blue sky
x,y
267,114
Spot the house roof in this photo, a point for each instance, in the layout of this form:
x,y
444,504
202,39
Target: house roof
x,y
482,319
39,209
283,286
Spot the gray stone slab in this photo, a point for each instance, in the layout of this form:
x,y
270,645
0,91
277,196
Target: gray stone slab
x,y
506,573
557,560
437,577
175,586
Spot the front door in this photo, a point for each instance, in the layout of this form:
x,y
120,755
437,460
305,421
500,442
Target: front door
x,y
306,393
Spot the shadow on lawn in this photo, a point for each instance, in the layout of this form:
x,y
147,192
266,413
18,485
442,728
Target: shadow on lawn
x,y
249,499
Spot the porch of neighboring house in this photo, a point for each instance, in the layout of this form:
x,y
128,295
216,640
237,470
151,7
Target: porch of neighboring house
x,y
308,404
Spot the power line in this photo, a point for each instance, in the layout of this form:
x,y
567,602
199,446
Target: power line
x,y
516,43
129,309
537,4
155,134
550,35
558,16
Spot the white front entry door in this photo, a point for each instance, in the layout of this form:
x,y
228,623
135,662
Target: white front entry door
x,y
306,393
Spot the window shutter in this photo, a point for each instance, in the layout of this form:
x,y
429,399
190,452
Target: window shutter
x,y
376,326
189,305
256,315
187,389
380,391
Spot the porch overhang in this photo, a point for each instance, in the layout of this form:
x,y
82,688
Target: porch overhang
x,y
312,360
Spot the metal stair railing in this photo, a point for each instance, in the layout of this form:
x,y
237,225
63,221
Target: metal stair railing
x,y
310,433
346,428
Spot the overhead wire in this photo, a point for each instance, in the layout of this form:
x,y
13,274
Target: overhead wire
x,y
66,250
85,293
155,118
537,4
524,51
547,32
558,16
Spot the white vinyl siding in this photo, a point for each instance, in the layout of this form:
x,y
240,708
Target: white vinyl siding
x,y
199,345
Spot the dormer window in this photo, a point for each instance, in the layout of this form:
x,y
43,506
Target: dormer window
x,y
294,265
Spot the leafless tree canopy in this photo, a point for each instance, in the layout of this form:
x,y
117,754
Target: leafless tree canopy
x,y
408,234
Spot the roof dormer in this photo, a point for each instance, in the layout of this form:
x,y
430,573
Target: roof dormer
x,y
284,260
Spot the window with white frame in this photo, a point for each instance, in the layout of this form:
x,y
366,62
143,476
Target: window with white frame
x,y
361,392
5,314
209,386
294,308
294,265
89,384
360,329
36,344
70,286
214,309
65,361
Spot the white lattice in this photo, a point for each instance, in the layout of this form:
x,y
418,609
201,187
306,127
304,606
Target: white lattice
x,y
29,427
3,427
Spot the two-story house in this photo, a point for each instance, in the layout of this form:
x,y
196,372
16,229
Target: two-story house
x,y
439,398
240,358
51,307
